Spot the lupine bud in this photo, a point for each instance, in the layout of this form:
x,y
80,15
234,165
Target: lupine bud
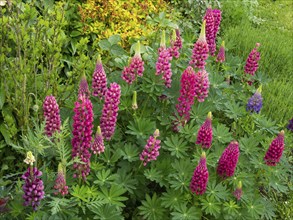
x,y
30,159
99,80
200,50
134,101
51,115
98,146
221,54
205,133
275,150
176,44
135,68
228,161
210,30
82,135
200,177
151,149
202,85
110,111
187,93
255,102
84,87
252,61
217,14
290,125
238,192
60,182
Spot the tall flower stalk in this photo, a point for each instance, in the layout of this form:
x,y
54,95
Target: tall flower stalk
x,y
205,133
202,85
275,151
51,115
98,146
151,149
210,30
60,182
99,80
221,54
251,65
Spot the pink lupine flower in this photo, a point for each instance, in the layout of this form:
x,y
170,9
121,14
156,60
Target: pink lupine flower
x,y
200,177
82,135
135,68
251,65
202,85
110,111
51,115
228,161
221,54
176,44
210,30
200,50
151,149
99,80
275,151
217,14
187,93
98,146
238,192
60,182
84,87
205,133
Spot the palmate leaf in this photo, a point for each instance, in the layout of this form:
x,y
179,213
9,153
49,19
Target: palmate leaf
x,y
265,124
113,195
190,131
231,208
154,174
57,203
248,145
255,208
126,181
234,110
130,152
219,192
82,193
141,128
151,208
177,146
183,213
200,110
172,198
222,134
269,211
210,206
110,157
105,177
107,212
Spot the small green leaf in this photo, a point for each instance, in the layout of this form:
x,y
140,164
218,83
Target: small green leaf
x,y
184,213
114,195
104,44
151,208
176,146
117,50
114,39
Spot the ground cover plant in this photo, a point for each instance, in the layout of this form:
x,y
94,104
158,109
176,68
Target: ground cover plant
x,y
170,130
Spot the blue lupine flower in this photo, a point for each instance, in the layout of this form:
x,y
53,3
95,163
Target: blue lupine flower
x,y
290,125
255,102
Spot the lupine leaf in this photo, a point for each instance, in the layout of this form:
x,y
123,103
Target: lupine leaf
x,y
130,152
105,177
183,213
172,198
113,196
219,192
151,208
107,212
176,145
210,206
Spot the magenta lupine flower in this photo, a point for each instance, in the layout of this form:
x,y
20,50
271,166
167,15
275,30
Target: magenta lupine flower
x,y
200,50
228,161
60,182
110,111
200,177
98,146
210,30
151,149
202,85
135,68
187,93
238,192
84,87
176,44
82,135
252,61
275,151
99,80
51,115
205,133
221,54
217,20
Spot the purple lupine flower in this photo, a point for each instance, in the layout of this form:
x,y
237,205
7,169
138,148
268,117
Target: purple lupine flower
x,y
251,65
60,182
110,111
238,192
221,54
210,30
228,161
163,65
151,149
99,80
217,14
82,135
290,125
176,44
98,146
84,87
275,151
51,115
202,85
200,177
200,50
255,102
187,93
205,133
135,68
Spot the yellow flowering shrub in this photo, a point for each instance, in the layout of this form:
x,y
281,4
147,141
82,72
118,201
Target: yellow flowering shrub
x,y
124,17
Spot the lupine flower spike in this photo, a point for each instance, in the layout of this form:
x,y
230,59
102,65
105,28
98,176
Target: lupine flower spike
x,y
251,65
82,135
202,85
200,177
33,187
176,43
228,160
205,133
110,111
275,151
84,87
98,146
135,68
51,115
151,149
163,65
255,102
60,183
238,192
200,50
290,125
217,14
210,30
221,54
134,101
99,80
